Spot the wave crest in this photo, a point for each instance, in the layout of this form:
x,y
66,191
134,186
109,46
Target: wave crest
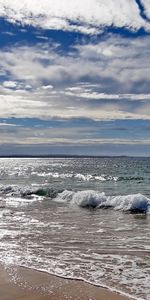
x,y
134,203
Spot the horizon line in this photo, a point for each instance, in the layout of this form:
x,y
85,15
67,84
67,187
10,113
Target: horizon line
x,y
70,156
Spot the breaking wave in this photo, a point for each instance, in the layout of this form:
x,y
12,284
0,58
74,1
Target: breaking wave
x,y
28,192
134,203
87,177
77,176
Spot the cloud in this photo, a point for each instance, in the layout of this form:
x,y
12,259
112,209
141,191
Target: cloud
x,y
88,94
117,64
12,134
4,124
12,138
123,60
44,105
86,16
107,80
10,84
95,91
146,5
8,33
47,87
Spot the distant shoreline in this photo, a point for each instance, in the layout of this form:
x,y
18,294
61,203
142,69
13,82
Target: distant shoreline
x,y
71,156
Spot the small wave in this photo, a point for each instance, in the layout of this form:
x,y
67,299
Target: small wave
x,y
15,196
88,177
4,190
5,213
78,176
135,203
28,192
65,196
130,178
47,192
18,201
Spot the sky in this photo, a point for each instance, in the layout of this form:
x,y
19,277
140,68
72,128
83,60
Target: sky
x,y
75,77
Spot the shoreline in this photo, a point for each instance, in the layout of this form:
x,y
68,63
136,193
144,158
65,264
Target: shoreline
x,y
18,283
65,157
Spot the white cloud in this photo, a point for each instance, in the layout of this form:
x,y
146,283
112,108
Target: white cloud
x,y
47,87
85,16
10,84
20,106
4,124
26,105
146,4
8,33
91,95
26,136
114,61
117,70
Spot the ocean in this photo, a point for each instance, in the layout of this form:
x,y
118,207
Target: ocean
x,y
82,218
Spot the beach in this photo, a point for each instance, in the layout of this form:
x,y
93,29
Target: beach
x,y
75,150
87,220
18,283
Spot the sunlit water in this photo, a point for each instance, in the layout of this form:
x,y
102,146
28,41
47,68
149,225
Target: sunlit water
x,y
79,218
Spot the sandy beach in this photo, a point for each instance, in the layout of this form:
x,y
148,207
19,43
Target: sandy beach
x,y
18,283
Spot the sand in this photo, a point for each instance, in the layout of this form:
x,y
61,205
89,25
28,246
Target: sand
x,y
18,283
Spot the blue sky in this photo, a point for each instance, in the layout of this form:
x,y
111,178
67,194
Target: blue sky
x,y
75,77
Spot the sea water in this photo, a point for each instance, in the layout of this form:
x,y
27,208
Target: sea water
x,y
84,218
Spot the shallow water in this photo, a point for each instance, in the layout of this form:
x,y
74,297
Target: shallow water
x,y
53,217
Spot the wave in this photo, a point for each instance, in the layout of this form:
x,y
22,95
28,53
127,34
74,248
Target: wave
x,y
78,176
28,192
88,177
81,176
134,203
130,178
15,196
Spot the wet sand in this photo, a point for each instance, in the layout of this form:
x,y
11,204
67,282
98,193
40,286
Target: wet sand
x,y
18,283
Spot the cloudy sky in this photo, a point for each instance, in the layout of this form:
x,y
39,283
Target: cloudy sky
x,y
75,77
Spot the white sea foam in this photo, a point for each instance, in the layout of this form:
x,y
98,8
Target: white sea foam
x,y
5,213
88,198
78,176
65,196
17,201
129,202
87,177
95,199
